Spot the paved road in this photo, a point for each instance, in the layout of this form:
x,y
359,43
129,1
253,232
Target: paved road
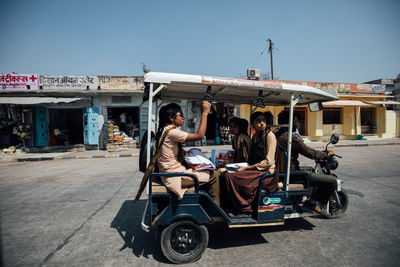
x,y
77,213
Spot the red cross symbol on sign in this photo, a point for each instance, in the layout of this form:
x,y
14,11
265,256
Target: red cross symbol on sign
x,y
33,78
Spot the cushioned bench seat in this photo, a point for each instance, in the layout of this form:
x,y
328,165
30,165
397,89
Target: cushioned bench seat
x,y
293,187
158,187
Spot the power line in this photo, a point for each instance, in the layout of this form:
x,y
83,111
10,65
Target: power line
x,y
260,55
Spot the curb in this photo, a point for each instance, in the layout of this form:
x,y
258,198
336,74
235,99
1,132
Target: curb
x,y
76,157
350,145
137,154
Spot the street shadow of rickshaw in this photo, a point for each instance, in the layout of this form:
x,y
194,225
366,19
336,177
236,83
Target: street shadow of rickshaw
x,y
127,223
223,237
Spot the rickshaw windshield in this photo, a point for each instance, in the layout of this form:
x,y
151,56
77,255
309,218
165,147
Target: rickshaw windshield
x,y
232,90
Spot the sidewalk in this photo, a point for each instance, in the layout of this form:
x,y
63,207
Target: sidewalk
x,y
90,154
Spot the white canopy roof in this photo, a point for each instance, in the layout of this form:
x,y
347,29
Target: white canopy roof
x,y
239,91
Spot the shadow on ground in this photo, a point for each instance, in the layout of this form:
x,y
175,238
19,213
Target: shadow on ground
x,y
223,237
127,222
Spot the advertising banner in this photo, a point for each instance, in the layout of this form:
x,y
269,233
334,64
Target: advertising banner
x,y
19,81
121,82
69,82
346,87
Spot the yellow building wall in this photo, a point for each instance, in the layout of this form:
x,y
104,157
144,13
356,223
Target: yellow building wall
x,y
314,124
387,122
275,110
397,124
358,120
391,124
380,121
330,129
349,121
245,111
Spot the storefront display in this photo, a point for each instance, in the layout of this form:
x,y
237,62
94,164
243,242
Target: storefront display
x,y
65,126
218,124
123,127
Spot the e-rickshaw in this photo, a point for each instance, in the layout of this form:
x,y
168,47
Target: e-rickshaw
x,y
182,223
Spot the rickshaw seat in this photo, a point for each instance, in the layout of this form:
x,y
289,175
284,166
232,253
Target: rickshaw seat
x,y
293,187
159,187
282,173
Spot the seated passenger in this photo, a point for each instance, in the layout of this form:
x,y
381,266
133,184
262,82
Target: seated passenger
x,y
242,185
240,140
327,183
171,156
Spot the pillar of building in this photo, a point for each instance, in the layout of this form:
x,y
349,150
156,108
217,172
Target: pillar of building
x,y
391,122
314,124
397,124
357,111
349,121
380,121
245,112
277,110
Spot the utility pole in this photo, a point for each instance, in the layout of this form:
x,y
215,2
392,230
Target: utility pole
x,y
271,45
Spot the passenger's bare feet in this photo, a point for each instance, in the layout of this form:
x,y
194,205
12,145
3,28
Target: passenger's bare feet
x,y
280,185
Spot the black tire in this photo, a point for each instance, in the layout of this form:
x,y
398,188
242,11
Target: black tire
x,y
184,241
333,209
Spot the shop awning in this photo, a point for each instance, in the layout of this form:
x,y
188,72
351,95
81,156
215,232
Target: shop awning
x,y
346,103
36,100
383,102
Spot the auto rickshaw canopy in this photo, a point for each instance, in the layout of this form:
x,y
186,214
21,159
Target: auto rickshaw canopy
x,y
233,90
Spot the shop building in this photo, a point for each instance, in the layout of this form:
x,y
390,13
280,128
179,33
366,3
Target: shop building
x,y
50,111
362,111
42,111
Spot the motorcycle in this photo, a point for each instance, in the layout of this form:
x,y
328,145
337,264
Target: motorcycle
x,y
338,200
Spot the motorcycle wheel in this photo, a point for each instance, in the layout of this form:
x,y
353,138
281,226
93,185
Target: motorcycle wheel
x,y
333,209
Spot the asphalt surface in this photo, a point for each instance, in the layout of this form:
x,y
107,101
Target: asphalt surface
x,y
77,213
134,152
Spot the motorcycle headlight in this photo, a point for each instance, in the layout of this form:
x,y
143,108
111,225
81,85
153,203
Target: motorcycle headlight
x,y
333,163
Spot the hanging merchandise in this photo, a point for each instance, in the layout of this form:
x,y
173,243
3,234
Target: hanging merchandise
x,y
24,133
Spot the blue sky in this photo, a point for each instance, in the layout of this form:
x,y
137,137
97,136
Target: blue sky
x,y
349,41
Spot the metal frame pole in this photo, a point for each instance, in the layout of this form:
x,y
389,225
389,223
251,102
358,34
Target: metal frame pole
x,y
149,113
293,102
289,146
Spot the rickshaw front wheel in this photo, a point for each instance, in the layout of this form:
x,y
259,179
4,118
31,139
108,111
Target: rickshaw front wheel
x,y
184,241
333,208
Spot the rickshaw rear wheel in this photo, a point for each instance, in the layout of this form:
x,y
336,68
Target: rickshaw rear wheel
x,y
184,241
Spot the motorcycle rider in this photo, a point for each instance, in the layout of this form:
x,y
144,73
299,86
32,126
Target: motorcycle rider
x,y
326,183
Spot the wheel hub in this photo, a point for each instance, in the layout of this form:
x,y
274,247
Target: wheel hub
x,y
184,240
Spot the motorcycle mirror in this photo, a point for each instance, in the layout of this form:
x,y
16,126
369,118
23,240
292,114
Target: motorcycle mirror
x,y
334,139
315,106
